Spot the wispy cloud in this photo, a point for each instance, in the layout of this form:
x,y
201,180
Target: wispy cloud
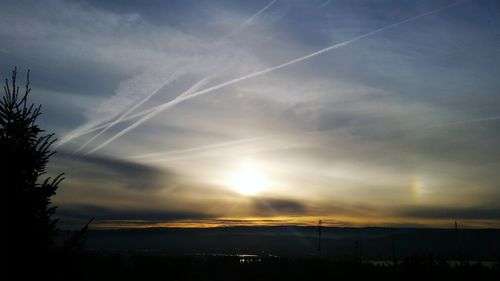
x,y
179,152
152,114
126,113
465,122
277,67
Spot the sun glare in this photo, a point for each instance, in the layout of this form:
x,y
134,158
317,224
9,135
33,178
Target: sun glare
x,y
248,180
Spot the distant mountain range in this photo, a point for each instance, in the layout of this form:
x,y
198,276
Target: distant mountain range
x,y
294,241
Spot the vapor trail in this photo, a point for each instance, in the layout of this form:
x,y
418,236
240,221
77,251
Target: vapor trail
x,y
250,19
153,113
466,122
125,117
338,45
80,132
324,4
76,133
195,149
126,113
264,71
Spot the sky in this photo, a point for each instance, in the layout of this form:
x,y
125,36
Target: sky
x,y
214,113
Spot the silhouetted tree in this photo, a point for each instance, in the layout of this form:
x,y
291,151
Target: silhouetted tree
x,y
28,227
75,244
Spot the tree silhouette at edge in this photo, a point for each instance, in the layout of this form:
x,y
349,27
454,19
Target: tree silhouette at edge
x,y
29,228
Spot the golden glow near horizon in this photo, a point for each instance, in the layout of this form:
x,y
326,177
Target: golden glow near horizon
x,y
295,221
248,180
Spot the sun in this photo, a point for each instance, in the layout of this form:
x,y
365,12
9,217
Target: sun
x,y
248,180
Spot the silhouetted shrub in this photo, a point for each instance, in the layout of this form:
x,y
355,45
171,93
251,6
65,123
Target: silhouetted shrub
x,y
28,226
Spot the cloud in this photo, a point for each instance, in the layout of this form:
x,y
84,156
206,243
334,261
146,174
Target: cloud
x,y
452,213
127,112
168,50
156,111
282,65
115,214
408,115
99,167
278,207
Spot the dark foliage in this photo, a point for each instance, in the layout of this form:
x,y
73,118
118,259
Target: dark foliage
x,y
75,244
29,228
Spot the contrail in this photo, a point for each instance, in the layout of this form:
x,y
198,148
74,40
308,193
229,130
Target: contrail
x,y
196,149
324,4
156,110
77,133
250,19
126,113
338,45
267,70
466,122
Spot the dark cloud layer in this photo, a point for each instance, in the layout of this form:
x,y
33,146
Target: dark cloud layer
x,y
277,207
110,214
101,167
453,213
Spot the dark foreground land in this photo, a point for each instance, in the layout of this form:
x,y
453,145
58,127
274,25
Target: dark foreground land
x,y
290,253
302,242
120,266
